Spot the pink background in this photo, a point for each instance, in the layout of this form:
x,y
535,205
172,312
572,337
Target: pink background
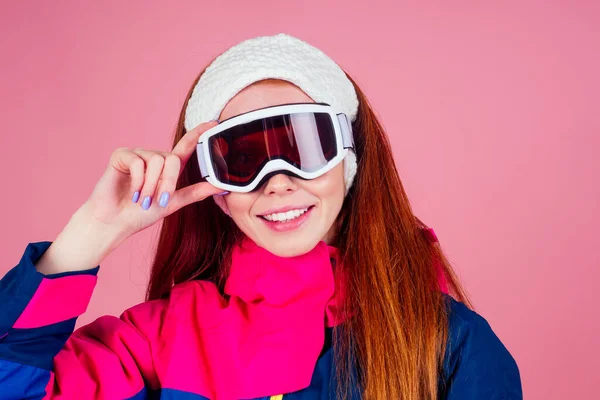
x,y
493,111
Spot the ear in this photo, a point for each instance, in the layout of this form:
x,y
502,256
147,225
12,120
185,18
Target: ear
x,y
220,200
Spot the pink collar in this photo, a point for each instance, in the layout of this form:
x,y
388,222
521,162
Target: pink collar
x,y
272,330
257,275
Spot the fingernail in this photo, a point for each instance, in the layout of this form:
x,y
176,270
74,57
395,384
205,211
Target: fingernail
x,y
164,199
222,193
136,196
146,202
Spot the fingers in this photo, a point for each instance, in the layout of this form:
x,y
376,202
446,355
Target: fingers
x,y
160,172
127,162
168,181
187,144
155,162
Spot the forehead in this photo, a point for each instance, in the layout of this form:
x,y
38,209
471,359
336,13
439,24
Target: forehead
x,y
266,93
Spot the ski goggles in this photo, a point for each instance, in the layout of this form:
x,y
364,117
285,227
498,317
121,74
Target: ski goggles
x,y
304,140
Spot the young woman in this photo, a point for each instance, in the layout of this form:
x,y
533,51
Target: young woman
x,y
290,264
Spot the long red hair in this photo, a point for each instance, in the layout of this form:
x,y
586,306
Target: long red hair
x,y
398,326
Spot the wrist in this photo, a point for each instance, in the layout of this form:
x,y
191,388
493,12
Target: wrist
x,y
81,245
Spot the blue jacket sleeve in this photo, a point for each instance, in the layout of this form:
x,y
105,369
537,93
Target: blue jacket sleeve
x,y
477,365
35,322
42,358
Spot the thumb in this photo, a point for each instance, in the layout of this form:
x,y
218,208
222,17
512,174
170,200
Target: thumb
x,y
191,194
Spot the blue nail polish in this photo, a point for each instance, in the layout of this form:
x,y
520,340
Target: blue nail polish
x,y
146,202
136,196
222,193
164,199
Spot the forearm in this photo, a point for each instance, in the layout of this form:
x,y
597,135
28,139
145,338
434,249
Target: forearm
x,y
81,245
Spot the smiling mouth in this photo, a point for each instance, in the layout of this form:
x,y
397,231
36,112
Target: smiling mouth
x,y
286,216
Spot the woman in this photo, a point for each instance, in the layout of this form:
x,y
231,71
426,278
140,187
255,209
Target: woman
x,y
305,276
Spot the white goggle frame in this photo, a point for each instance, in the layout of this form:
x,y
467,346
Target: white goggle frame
x,y
343,138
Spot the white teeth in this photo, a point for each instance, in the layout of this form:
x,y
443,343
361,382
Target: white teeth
x,y
286,216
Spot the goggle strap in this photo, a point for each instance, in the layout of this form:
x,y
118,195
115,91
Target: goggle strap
x,y
201,160
346,126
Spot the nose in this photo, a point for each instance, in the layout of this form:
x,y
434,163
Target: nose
x,y
280,184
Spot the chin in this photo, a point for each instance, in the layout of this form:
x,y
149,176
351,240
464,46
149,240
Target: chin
x,y
290,247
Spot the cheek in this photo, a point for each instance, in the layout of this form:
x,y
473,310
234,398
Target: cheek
x,y
239,205
330,186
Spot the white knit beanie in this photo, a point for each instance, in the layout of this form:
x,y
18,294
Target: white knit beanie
x,y
279,56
